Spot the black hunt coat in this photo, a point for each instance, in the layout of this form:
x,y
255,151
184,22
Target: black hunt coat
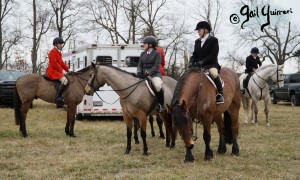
x,y
208,53
251,63
150,62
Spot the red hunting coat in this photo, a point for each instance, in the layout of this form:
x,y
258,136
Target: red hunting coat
x,y
162,64
56,65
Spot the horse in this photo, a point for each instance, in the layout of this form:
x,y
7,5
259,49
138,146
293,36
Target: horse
x,y
195,100
33,86
258,89
135,98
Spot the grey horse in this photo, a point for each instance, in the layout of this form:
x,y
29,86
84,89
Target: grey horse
x,y
258,89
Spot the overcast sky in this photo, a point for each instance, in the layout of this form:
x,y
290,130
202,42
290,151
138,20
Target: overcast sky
x,y
226,37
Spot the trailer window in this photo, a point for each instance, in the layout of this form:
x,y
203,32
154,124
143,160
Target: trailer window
x,y
104,59
132,61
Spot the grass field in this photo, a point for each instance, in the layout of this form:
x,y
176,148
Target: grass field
x,y
97,152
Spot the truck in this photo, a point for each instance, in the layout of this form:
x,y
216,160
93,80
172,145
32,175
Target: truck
x,y
290,92
105,102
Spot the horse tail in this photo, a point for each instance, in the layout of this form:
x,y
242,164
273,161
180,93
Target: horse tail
x,y
228,130
17,107
178,117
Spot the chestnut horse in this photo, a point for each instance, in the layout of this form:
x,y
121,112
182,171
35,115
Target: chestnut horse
x,y
135,98
195,99
33,86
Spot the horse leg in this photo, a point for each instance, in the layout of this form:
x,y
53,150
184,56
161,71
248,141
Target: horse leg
x,y
221,129
189,157
159,124
233,117
71,118
164,118
136,126
267,110
67,129
24,110
255,110
207,138
151,124
143,123
128,121
245,107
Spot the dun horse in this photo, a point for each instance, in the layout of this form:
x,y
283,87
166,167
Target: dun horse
x,y
135,99
258,89
33,86
197,101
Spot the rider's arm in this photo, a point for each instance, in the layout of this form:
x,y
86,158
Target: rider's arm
x,y
156,65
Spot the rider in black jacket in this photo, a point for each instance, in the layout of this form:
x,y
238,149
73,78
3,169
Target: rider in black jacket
x,y
252,63
206,55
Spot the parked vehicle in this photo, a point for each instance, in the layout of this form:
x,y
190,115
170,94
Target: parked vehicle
x,y
290,91
8,80
125,57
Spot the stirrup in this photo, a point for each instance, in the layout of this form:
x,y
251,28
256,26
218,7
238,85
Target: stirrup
x,y
160,108
219,99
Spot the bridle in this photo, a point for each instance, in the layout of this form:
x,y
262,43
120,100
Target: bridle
x,y
94,90
261,89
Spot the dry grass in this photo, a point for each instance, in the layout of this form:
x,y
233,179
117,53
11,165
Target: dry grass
x,y
97,152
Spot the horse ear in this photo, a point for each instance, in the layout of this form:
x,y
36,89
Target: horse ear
x,y
169,108
281,66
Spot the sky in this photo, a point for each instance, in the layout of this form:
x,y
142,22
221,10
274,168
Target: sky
x,y
225,35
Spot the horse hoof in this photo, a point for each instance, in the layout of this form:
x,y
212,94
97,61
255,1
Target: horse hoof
x,y
189,160
126,151
72,135
136,142
25,135
146,153
268,125
245,122
235,153
221,151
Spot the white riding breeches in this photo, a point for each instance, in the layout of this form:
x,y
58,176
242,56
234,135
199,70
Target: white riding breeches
x,y
63,80
157,83
213,72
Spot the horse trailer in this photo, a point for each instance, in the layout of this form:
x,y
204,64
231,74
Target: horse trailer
x,y
105,102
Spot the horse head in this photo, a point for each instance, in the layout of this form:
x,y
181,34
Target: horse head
x,y
278,76
95,80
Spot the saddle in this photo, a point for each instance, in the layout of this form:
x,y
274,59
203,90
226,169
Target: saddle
x,y
212,81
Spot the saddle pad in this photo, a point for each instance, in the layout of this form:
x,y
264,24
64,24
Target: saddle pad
x,y
212,81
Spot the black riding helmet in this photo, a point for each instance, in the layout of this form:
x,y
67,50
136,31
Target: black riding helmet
x,y
150,40
58,40
203,25
255,50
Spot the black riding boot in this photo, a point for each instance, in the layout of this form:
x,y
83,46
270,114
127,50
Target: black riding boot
x,y
219,96
245,84
59,98
160,98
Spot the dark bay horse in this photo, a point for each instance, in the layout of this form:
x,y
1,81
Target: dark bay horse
x,y
197,101
135,98
33,86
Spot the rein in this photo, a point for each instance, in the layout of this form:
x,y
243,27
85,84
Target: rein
x,y
261,89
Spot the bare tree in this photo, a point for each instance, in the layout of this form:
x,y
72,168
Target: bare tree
x,y
40,23
66,12
210,11
10,34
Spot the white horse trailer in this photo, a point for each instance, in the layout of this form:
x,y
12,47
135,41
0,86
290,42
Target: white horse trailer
x,y
125,57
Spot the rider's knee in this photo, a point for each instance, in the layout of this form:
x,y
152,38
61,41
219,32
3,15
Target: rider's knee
x,y
63,80
157,82
213,72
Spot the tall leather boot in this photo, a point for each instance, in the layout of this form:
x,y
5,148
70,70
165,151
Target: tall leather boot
x,y
59,100
160,98
219,96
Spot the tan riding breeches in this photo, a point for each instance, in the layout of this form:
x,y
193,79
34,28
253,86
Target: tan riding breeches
x,y
63,80
213,72
157,82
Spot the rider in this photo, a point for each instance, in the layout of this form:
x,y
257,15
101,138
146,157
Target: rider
x,y
252,62
205,55
148,65
57,69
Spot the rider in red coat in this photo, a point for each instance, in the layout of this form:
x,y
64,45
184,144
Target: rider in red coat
x,y
162,64
57,69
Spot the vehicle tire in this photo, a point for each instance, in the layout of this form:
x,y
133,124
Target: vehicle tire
x,y
79,117
293,100
273,98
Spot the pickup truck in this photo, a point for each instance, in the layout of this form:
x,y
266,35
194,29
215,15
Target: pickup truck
x,y
290,92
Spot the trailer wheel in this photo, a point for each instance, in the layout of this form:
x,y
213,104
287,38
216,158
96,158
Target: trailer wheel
x,y
79,116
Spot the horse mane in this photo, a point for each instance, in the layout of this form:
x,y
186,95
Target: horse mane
x,y
118,69
84,69
265,66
